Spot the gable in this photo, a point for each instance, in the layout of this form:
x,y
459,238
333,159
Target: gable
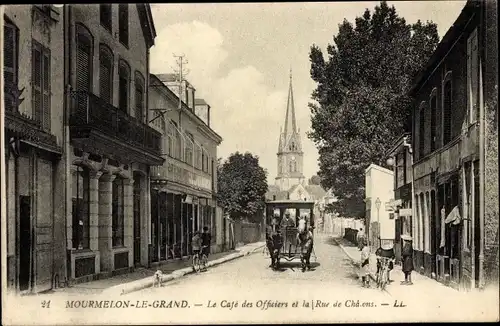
x,y
299,193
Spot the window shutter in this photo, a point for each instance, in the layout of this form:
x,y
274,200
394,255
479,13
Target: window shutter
x,y
36,82
10,65
421,136
474,75
447,113
433,121
46,90
105,77
83,67
139,99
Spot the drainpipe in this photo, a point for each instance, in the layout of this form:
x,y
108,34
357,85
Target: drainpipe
x,y
482,135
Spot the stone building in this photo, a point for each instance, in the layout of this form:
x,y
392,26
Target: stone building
x,y
183,189
455,145
110,147
33,87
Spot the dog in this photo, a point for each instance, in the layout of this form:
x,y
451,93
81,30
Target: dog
x,y
157,278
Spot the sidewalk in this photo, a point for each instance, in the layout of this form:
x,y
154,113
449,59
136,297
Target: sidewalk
x,y
142,278
420,282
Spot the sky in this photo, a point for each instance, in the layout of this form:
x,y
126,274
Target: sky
x,y
239,59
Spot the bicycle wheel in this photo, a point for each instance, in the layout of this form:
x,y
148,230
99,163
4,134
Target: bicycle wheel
x,y
196,263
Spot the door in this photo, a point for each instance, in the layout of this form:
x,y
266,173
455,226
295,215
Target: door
x,y
25,243
154,225
137,220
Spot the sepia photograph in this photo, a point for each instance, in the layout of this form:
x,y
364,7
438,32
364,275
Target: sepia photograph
x,y
242,163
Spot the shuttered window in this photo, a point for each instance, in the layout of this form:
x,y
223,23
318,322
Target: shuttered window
x,y
139,97
40,81
123,92
10,64
472,76
447,102
105,13
83,63
123,23
421,128
433,106
106,74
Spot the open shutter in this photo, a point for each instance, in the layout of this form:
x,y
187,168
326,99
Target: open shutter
x,y
83,67
472,44
447,113
139,99
10,65
105,73
46,90
36,82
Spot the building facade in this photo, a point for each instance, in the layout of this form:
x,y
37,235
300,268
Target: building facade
x,y
455,145
34,137
110,146
184,188
378,194
400,158
290,155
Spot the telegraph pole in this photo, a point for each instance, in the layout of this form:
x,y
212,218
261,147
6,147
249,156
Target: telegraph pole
x,y
181,62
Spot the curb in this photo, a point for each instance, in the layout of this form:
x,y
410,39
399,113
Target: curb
x,y
138,285
372,276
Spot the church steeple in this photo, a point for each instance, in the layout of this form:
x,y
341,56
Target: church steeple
x,y
290,123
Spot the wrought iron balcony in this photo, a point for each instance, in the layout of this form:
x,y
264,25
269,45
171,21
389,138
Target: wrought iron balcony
x,y
179,172
111,131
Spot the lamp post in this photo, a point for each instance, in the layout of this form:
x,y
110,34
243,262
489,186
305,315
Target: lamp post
x,y
377,204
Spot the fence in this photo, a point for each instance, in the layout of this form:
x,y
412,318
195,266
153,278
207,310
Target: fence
x,y
245,232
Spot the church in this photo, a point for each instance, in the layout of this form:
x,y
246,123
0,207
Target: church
x,y
290,182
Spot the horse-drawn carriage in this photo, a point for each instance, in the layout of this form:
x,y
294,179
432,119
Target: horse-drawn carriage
x,y
289,225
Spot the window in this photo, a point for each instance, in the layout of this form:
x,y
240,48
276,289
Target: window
x,y
80,209
118,216
170,141
105,13
421,128
447,102
123,85
10,65
123,23
40,83
139,97
106,74
433,106
188,149
177,144
472,76
84,43
400,169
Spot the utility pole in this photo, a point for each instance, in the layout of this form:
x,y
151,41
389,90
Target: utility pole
x,y
181,62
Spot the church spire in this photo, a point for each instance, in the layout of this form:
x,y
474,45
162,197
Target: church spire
x,y
290,124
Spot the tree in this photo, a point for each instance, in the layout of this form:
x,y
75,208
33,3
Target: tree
x,y
314,180
242,185
361,102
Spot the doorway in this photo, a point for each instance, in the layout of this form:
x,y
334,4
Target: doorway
x,y
25,243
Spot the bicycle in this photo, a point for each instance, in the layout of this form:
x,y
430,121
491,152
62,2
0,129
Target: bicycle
x,y
200,260
383,272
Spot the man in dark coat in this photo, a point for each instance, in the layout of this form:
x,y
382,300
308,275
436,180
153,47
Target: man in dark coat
x,y
407,255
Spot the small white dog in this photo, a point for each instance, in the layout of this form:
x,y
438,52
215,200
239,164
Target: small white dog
x,y
157,278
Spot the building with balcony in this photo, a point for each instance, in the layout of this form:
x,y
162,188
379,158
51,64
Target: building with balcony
x,y
111,147
380,225
184,188
455,148
34,135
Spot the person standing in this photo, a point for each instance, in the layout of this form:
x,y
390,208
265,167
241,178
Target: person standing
x,y
407,255
360,237
365,264
206,241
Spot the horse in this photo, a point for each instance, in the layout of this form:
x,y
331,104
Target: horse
x,y
274,242
306,243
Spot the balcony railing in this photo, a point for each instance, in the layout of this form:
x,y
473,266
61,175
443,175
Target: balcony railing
x,y
88,110
180,172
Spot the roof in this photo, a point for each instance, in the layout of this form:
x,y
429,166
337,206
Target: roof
x,y
316,191
200,101
397,144
378,167
147,24
167,77
445,45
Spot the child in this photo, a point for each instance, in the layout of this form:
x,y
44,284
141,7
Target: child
x,y
365,265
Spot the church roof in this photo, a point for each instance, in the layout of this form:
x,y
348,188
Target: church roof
x,y
316,191
290,123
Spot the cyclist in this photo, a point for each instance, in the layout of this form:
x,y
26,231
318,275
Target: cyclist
x,y
385,251
196,243
206,240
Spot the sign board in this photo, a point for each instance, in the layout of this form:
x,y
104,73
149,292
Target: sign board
x,y
405,212
389,207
